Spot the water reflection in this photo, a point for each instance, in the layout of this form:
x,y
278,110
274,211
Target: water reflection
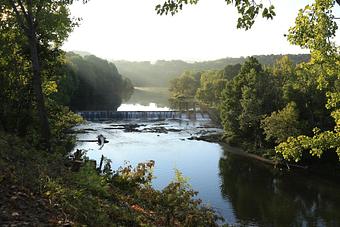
x,y
261,196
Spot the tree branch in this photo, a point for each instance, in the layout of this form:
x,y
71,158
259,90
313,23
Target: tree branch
x,y
18,16
23,10
39,8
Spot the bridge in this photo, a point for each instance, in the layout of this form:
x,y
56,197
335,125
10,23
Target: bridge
x,y
135,115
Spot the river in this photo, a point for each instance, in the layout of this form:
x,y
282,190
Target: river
x,y
243,191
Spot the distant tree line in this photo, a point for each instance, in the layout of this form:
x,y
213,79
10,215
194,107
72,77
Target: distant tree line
x,y
160,73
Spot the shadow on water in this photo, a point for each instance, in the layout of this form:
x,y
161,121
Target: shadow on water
x,y
263,196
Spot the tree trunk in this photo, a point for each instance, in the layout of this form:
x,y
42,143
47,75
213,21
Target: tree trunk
x,y
37,88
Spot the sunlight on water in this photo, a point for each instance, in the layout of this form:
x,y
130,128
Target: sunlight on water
x,y
139,107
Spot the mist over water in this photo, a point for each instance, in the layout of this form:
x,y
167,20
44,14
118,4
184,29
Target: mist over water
x,y
139,107
146,95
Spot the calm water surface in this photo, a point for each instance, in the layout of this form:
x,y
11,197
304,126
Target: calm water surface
x,y
243,191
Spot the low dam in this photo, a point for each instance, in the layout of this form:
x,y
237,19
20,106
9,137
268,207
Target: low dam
x,y
134,115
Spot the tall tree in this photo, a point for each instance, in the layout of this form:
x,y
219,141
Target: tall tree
x,y
315,29
45,25
246,99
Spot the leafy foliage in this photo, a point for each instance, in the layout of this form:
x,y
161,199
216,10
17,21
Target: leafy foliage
x,y
42,27
210,90
127,198
315,29
246,99
247,9
183,89
282,124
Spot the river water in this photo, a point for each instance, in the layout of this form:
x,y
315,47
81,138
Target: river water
x,y
243,191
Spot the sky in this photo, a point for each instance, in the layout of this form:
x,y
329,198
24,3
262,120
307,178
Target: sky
x,y
131,30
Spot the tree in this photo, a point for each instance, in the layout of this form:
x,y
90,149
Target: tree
x,y
212,84
183,89
246,99
282,124
44,26
302,89
231,107
230,71
15,92
315,29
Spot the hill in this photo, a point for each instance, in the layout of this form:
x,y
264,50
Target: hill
x,y
160,73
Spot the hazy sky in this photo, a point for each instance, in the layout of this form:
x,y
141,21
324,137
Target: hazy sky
x,y
131,30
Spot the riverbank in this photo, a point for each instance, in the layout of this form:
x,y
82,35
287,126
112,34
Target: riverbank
x,y
40,188
317,167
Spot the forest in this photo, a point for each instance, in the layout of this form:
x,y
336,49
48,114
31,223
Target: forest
x,y
284,108
261,108
91,83
288,111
